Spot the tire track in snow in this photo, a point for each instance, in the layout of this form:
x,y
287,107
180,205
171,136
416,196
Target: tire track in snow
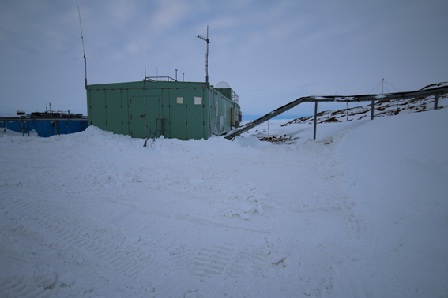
x,y
222,260
17,285
81,238
211,260
15,234
207,222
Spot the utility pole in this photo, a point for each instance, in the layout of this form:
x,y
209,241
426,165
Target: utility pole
x,y
207,40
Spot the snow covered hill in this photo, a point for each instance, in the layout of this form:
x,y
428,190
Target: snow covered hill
x,y
381,109
360,212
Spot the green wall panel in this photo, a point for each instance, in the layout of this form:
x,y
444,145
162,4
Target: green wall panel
x,y
98,109
195,117
153,116
177,115
137,116
113,111
124,113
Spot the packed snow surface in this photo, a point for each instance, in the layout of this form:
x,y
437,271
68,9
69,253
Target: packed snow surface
x,y
360,212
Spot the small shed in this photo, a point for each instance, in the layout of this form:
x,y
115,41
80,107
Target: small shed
x,y
152,108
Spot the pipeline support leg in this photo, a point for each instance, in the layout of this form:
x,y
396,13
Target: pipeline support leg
x,y
315,119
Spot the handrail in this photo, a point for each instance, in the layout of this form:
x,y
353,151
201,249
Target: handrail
x,y
378,97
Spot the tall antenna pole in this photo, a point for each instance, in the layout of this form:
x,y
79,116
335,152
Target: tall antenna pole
x,y
84,51
207,40
206,59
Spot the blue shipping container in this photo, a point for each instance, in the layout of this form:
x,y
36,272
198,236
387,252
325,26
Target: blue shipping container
x,y
45,127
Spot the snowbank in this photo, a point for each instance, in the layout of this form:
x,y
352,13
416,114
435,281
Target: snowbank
x,y
360,212
397,172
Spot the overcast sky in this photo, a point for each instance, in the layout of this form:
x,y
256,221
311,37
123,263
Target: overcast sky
x,y
270,52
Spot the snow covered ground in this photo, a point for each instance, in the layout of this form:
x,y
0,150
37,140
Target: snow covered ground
x,y
360,212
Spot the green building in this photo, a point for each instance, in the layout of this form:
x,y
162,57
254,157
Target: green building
x,y
154,108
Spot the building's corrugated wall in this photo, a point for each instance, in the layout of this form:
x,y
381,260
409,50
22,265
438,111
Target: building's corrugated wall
x,y
44,127
182,110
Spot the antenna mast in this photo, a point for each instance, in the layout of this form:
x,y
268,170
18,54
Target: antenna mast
x,y
84,51
207,40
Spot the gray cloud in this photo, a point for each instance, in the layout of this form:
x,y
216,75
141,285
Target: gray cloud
x,y
269,51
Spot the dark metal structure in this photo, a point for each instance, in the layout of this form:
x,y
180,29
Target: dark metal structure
x,y
432,90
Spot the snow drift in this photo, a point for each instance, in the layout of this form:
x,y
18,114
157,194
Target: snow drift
x,y
361,212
